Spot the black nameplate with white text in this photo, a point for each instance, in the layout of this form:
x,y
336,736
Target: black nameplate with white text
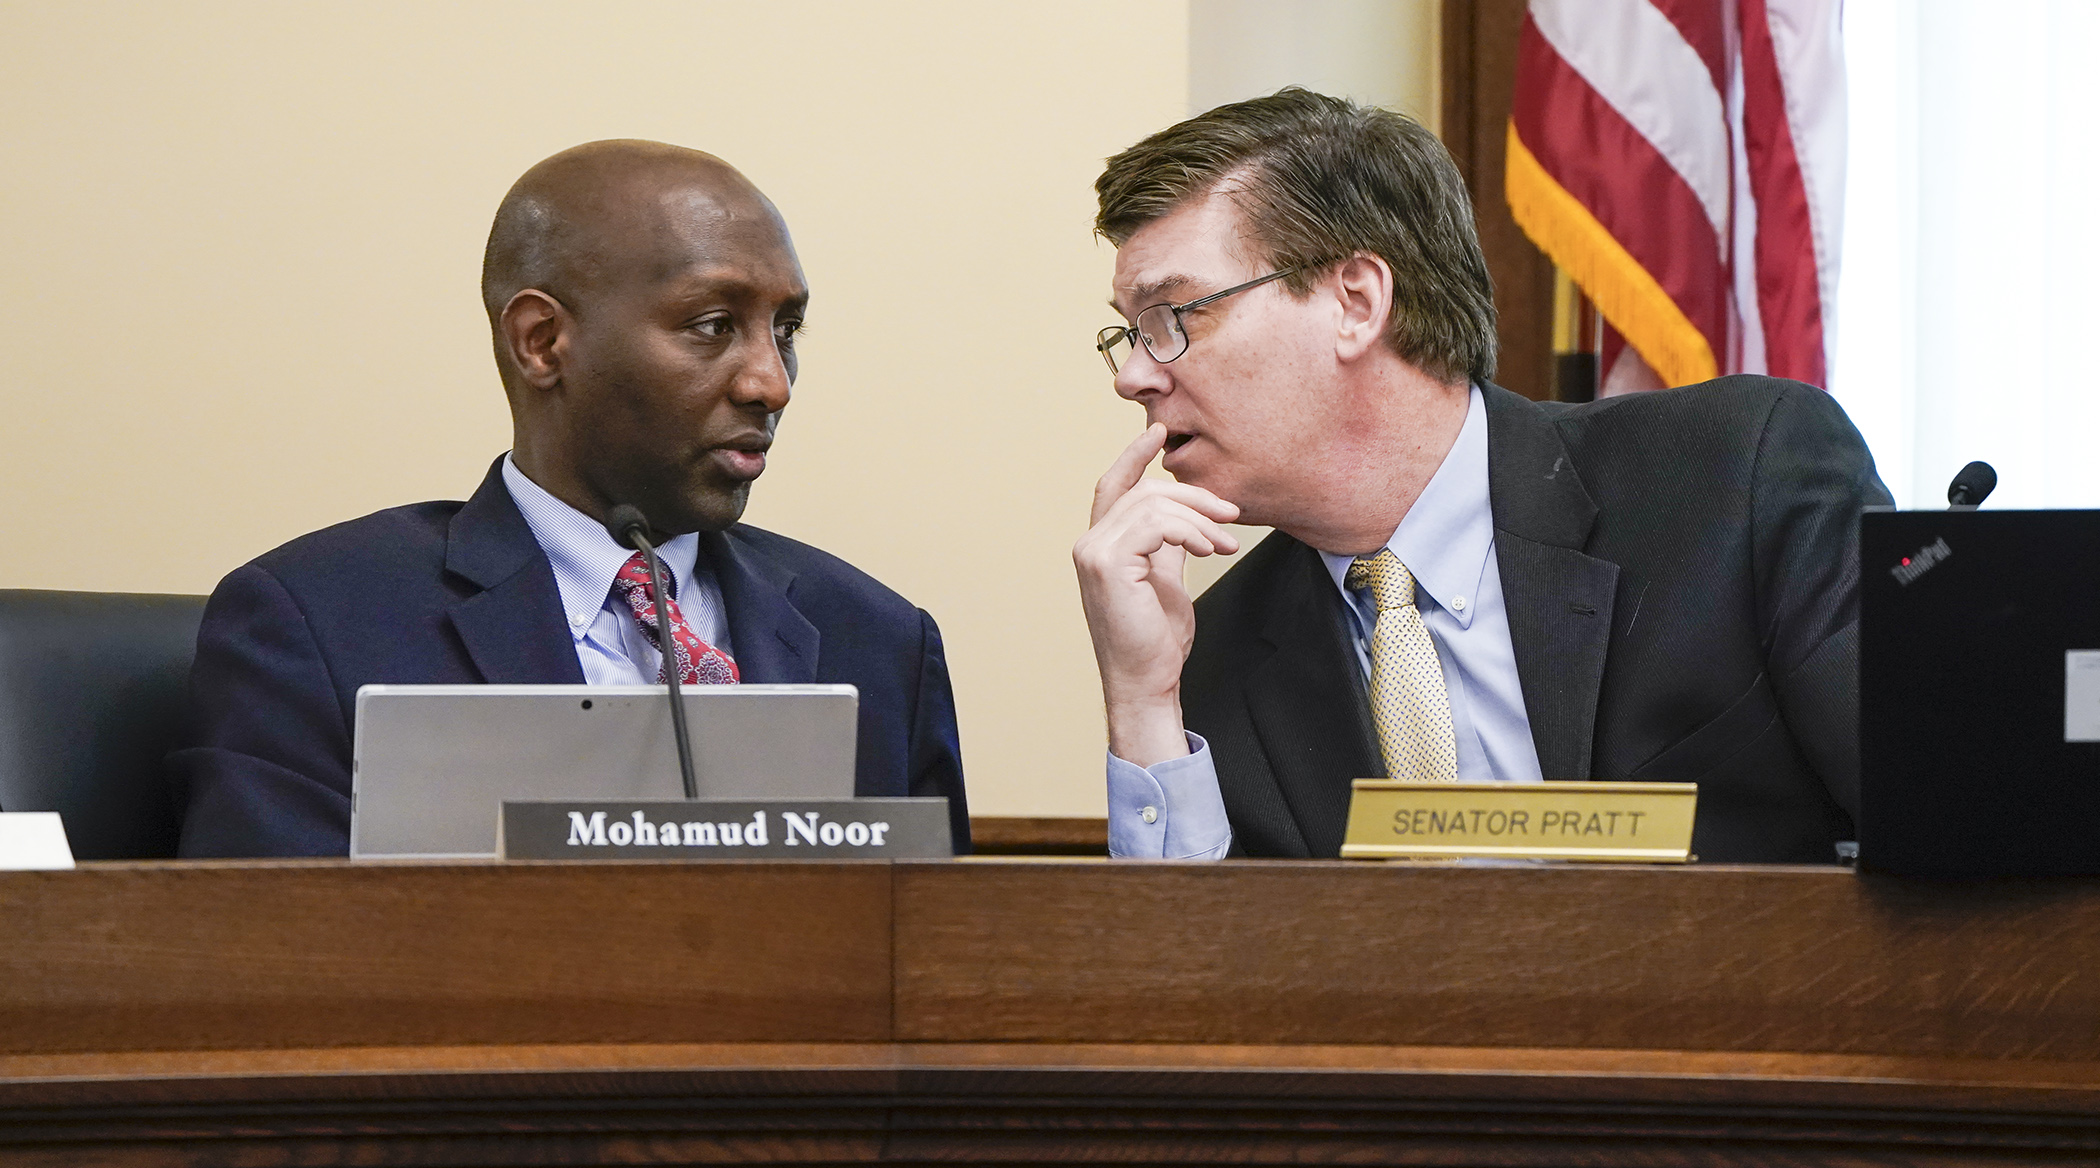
x,y
725,829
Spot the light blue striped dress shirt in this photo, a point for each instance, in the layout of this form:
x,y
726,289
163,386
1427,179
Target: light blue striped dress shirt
x,y
1173,810
610,644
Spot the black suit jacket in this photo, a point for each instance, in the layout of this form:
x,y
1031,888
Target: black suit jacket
x,y
1681,574
458,593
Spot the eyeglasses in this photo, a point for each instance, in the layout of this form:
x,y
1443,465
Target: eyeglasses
x,y
1159,329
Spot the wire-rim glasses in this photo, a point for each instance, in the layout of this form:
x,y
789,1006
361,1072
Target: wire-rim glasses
x,y
1159,327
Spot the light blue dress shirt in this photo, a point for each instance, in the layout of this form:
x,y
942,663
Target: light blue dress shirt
x,y
1173,810
610,644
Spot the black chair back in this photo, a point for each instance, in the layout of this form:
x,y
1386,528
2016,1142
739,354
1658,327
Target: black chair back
x,y
93,691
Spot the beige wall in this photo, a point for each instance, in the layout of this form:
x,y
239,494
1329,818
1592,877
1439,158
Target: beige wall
x,y
242,243
1382,52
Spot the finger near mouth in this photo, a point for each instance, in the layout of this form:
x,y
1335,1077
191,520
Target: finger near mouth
x,y
1176,441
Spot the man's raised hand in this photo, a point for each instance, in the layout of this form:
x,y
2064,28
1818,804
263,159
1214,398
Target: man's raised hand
x,y
1137,607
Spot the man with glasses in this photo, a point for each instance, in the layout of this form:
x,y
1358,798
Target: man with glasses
x,y
1463,584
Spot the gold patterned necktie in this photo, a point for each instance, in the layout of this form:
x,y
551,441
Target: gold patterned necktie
x,y
1408,702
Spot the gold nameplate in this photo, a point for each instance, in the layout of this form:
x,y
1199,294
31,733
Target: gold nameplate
x,y
1649,823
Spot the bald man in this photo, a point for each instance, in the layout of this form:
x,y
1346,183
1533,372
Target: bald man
x,y
644,301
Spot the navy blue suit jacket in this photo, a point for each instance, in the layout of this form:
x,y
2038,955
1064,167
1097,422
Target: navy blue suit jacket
x,y
452,593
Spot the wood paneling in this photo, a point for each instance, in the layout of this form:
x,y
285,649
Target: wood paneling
x,y
1692,958
1017,836
326,1013
326,953
1479,77
1052,1103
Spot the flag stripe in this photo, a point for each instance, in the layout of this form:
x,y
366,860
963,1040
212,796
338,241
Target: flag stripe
x,y
1637,61
1789,298
1809,46
1699,22
1606,168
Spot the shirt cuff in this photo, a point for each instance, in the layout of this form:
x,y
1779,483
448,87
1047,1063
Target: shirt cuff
x,y
1171,810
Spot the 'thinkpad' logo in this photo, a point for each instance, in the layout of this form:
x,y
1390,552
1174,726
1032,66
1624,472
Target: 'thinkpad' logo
x,y
1921,561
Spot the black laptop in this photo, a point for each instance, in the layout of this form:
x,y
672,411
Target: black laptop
x,y
1980,693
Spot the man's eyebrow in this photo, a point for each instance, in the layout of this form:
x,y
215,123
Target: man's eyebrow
x,y
1148,294
711,284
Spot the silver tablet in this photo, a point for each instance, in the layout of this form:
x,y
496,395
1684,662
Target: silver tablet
x,y
432,763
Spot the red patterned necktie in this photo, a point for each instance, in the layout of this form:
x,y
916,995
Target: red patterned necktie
x,y
699,663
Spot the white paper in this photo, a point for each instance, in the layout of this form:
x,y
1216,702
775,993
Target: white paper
x,y
33,840
2082,695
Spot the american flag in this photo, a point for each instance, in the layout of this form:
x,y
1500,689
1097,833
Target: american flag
x,y
1684,162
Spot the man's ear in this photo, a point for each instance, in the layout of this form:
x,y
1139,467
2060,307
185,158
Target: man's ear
x,y
534,330
1364,285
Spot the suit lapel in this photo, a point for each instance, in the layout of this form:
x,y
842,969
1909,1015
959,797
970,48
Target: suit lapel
x,y
1559,599
771,639
1315,740
513,627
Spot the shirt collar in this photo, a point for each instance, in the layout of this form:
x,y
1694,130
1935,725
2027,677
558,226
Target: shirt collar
x,y
1445,537
582,552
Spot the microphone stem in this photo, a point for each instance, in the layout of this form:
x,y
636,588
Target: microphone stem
x,y
669,648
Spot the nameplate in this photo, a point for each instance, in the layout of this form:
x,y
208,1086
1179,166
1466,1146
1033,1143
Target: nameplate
x,y
33,841
725,829
1648,823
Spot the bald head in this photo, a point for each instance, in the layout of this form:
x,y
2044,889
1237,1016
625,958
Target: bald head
x,y
605,215
644,301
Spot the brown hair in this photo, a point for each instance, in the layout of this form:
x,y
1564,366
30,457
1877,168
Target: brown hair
x,y
1318,180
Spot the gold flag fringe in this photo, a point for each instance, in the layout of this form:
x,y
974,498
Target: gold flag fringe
x,y
1623,290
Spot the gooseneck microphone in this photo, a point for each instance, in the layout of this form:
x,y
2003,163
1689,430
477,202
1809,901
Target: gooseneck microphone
x,y
1971,487
630,530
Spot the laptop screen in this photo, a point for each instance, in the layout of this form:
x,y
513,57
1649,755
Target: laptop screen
x,y
432,763
1980,692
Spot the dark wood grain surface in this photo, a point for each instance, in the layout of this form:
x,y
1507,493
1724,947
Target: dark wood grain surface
x,y
252,955
1045,1104
1042,1012
1000,835
1740,959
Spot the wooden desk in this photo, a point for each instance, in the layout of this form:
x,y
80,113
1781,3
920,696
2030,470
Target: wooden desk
x,y
323,1013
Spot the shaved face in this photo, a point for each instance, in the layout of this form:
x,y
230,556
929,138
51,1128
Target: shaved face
x,y
1250,410
644,300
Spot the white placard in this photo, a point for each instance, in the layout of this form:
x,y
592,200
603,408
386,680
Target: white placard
x,y
33,840
2082,695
